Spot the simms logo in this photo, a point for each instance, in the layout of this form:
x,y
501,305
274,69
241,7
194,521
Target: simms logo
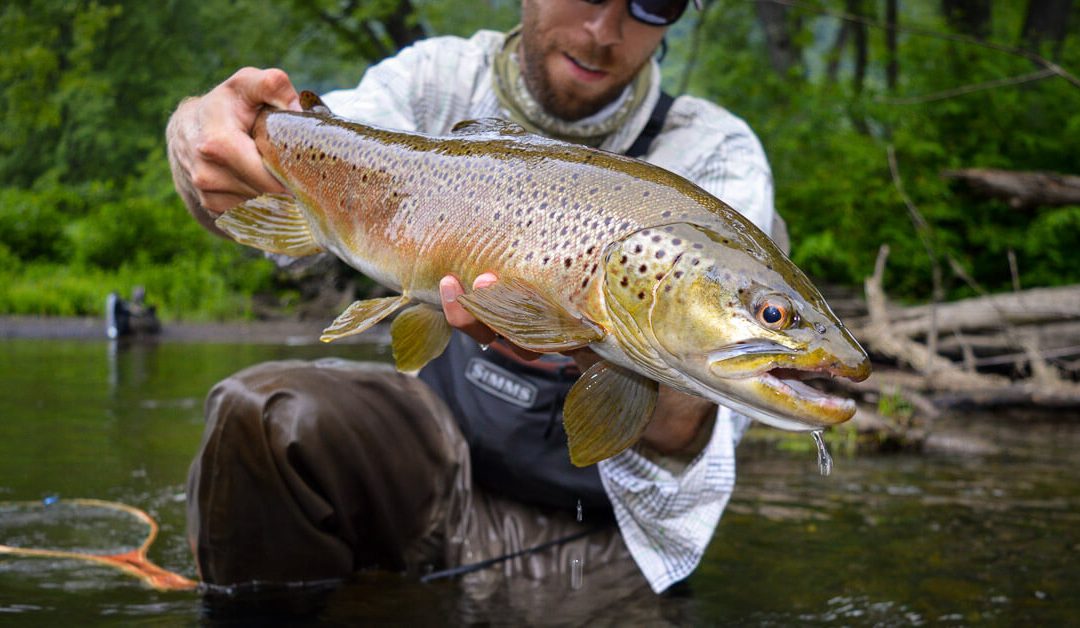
x,y
501,383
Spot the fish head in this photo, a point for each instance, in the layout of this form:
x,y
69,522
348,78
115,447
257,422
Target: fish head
x,y
721,312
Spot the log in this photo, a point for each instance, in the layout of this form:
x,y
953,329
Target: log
x,y
1028,307
1021,190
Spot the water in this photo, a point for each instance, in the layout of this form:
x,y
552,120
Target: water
x,y
824,459
942,538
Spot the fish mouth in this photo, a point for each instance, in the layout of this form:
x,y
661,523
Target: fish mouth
x,y
773,379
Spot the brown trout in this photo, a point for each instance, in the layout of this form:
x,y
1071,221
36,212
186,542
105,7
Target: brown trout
x,y
662,280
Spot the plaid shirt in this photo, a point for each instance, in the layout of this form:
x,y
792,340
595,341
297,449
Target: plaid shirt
x,y
667,519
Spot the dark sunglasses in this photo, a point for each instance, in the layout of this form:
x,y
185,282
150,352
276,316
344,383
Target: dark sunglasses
x,y
654,12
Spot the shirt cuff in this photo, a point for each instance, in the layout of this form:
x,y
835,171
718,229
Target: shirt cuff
x,y
668,519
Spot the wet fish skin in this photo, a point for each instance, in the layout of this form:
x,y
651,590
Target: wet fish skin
x,y
662,280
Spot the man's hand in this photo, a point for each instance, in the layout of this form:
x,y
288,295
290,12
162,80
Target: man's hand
x,y
677,426
214,160
449,290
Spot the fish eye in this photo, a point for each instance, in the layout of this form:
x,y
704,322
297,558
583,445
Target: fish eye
x,y
775,312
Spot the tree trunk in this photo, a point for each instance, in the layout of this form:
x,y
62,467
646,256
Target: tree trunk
x,y
784,53
1046,21
970,17
892,65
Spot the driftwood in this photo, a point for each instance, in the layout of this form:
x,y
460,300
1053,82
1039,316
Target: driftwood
x,y
1020,189
987,352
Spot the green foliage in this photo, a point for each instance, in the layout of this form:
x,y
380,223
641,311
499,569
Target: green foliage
x,y
86,88
827,145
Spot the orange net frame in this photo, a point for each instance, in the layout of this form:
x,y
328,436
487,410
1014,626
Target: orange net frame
x,y
133,562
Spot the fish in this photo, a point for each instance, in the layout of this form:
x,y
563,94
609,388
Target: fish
x,y
665,282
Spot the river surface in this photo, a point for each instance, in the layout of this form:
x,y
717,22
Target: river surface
x,y
945,538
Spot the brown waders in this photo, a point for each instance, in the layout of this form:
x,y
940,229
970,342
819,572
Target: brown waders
x,y
314,470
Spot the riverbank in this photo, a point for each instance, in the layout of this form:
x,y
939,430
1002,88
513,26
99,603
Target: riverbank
x,y
286,332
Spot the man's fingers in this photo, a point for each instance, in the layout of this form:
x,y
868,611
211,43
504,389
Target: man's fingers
x,y
449,290
265,87
230,163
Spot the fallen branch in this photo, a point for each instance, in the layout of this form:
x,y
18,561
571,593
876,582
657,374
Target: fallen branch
x,y
1021,190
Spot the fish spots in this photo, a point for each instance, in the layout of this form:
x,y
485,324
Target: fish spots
x,y
625,282
660,254
643,269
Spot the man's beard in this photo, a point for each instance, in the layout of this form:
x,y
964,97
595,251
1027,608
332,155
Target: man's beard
x,y
555,102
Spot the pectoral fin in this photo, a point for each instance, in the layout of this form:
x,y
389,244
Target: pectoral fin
x,y
361,315
528,318
606,411
271,222
418,335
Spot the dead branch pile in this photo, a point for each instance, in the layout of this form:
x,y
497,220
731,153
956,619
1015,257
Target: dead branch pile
x,y
1021,348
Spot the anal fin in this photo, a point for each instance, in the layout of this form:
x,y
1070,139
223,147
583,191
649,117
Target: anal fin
x,y
527,317
606,411
361,315
418,335
271,222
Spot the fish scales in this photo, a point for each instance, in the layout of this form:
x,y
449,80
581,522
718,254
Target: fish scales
x,y
469,206
666,283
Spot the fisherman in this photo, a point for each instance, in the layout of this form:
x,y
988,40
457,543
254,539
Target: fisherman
x,y
313,470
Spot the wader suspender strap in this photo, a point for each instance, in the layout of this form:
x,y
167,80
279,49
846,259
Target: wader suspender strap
x,y
652,128
639,148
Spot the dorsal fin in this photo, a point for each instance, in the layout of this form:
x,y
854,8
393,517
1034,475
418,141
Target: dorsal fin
x,y
310,101
486,126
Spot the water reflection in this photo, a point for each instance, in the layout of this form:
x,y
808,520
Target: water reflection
x,y
951,538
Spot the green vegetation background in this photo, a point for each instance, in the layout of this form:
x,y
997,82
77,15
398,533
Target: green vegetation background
x,y
87,205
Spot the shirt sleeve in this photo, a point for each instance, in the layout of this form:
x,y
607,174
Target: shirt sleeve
x,y
667,519
427,87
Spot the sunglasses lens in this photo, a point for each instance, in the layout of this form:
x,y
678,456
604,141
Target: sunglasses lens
x,y
657,12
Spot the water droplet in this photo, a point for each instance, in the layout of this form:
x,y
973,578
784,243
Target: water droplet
x,y
576,573
824,460
579,511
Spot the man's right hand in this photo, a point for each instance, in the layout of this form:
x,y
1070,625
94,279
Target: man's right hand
x,y
214,160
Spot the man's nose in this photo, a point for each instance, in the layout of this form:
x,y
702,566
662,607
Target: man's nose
x,y
606,23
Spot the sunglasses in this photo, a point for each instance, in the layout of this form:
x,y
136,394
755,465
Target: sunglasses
x,y
655,12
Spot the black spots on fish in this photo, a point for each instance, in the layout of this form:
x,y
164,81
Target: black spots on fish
x,y
497,215
711,269
514,244
625,282
641,296
645,194
624,226
543,205
769,266
659,276
660,254
656,238
666,214
442,217
593,191
589,251
592,270
676,242
618,187
645,232
643,269
547,258
698,246
678,274
568,261
564,231
528,256
637,248
695,262
667,288
622,260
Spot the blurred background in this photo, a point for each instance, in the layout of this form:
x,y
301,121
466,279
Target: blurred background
x,y
86,88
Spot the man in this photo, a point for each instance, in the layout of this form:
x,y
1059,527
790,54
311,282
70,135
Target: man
x,y
314,470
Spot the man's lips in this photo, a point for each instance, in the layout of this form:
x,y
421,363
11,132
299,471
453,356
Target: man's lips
x,y
584,70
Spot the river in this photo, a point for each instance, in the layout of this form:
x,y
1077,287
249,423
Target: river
x,y
956,536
